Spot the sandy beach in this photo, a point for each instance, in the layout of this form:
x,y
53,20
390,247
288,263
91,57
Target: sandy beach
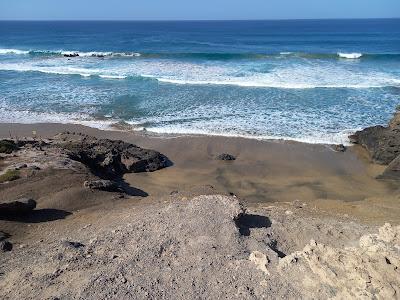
x,y
263,173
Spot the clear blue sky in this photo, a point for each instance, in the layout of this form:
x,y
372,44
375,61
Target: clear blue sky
x,y
196,9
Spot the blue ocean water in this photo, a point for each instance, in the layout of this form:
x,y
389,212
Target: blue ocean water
x,y
313,80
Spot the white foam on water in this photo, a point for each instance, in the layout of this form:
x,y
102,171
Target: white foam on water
x,y
69,52
316,138
13,51
350,55
113,76
297,75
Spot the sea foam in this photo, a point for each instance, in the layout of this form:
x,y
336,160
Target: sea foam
x,y
350,55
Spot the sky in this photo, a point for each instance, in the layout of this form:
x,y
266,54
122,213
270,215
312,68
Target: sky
x,y
196,9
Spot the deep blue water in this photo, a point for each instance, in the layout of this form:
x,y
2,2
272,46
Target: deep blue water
x,y
308,80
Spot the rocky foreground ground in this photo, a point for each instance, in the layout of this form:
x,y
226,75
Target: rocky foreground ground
x,y
207,247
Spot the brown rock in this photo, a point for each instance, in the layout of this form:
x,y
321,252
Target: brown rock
x,y
383,143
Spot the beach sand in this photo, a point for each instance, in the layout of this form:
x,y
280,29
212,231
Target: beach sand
x,y
264,172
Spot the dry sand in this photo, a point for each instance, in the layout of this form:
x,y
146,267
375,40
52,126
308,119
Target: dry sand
x,y
264,172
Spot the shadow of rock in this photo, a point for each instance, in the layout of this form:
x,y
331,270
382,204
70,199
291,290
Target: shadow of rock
x,y
38,216
131,191
247,221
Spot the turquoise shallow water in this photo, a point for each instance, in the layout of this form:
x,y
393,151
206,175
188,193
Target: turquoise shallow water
x,y
313,81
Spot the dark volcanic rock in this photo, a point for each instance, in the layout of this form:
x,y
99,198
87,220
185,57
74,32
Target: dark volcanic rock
x,y
339,148
71,55
5,246
392,171
75,245
104,185
17,207
383,143
7,146
225,156
114,158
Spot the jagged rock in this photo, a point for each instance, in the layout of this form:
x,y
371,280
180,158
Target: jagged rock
x,y
20,206
105,185
392,171
339,148
368,271
114,158
21,166
383,143
226,157
7,146
5,246
75,245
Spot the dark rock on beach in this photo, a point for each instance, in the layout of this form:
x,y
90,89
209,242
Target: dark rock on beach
x,y
110,159
339,148
104,185
7,146
382,143
5,246
17,207
226,157
71,244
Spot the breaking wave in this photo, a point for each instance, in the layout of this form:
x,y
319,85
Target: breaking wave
x,y
350,55
194,55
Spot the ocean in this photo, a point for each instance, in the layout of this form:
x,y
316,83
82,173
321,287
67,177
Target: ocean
x,y
307,80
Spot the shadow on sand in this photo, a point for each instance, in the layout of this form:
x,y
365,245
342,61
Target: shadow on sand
x,y
247,221
38,216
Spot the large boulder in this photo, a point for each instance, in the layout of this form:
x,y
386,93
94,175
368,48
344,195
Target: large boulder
x,y
104,185
17,207
8,146
109,158
382,143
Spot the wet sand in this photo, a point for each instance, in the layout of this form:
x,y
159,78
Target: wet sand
x,y
264,172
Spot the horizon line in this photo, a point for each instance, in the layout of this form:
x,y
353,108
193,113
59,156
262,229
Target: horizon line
x,y
189,20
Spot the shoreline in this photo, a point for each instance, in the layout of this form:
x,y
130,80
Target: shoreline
x,y
23,130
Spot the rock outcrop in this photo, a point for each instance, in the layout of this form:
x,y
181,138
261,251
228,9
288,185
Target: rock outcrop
x,y
8,146
207,247
109,158
369,271
104,185
382,143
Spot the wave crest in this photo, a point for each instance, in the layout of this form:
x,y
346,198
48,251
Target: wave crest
x,y
350,55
